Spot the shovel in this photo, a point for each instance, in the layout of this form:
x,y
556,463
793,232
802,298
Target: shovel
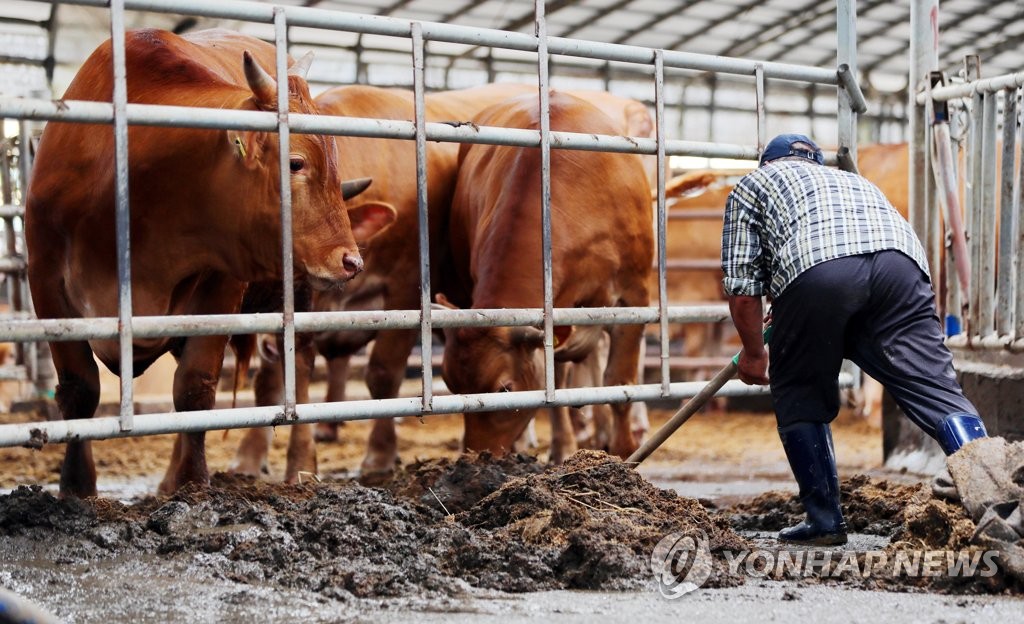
x,y
691,407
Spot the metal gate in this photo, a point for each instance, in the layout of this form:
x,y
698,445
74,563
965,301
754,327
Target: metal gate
x,y
125,327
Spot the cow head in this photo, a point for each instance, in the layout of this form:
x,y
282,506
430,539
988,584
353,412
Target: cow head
x,y
494,359
325,235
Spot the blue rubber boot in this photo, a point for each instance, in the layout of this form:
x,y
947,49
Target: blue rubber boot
x,y
958,429
813,461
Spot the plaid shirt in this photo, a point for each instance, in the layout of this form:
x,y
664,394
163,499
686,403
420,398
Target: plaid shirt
x,y
790,215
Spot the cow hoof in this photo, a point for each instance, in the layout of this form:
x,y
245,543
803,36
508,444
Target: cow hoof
x,y
326,432
373,478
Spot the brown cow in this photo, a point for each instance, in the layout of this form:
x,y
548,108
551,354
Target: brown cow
x,y
205,207
394,283
602,248
390,283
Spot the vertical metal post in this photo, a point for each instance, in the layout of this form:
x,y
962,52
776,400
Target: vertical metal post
x,y
1018,238
124,258
923,60
662,216
762,125
1006,287
14,278
419,103
972,195
987,212
953,294
285,175
545,182
846,34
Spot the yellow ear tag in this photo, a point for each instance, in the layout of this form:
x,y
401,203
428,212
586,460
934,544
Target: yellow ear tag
x,y
240,146
556,341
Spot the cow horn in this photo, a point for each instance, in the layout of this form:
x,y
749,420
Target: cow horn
x,y
263,85
351,188
301,67
527,336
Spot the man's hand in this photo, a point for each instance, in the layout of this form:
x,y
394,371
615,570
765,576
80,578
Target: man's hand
x,y
753,367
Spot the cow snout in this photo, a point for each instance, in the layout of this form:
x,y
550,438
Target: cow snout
x,y
353,264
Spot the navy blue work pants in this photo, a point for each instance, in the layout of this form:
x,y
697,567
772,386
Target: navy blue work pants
x,y
877,310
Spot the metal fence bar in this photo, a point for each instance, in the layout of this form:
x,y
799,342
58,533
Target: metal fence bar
x,y
284,178
433,31
974,87
124,258
122,115
953,294
762,124
662,220
37,434
987,227
972,195
13,265
849,95
9,211
220,324
194,117
1006,287
1018,239
543,81
419,103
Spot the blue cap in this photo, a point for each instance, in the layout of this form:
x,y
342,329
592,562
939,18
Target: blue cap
x,y
781,146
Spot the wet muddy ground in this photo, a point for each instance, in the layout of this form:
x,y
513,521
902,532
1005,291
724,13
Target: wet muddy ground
x,y
454,537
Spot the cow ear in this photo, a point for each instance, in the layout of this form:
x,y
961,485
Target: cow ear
x,y
443,303
370,219
247,146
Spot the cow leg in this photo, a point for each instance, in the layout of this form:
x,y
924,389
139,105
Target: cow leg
x,y
384,375
563,438
301,449
251,458
78,395
623,356
337,379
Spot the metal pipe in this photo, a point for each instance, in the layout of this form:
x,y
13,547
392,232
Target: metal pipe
x,y
848,81
124,257
545,196
1006,287
987,213
38,434
923,60
974,208
973,87
419,104
455,132
661,223
849,96
1018,240
762,125
284,180
8,211
989,343
221,324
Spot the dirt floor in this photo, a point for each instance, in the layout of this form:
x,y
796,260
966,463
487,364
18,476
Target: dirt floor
x,y
448,531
